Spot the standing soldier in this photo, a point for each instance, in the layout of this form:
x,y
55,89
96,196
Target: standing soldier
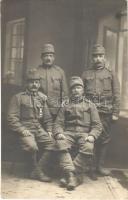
x,y
78,123
53,81
27,109
102,88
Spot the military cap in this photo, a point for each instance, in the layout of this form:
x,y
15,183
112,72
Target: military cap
x,y
98,49
75,80
32,74
48,48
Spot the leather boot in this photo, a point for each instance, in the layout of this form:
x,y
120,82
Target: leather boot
x,y
79,163
63,182
71,180
38,173
92,173
80,178
100,166
78,181
102,171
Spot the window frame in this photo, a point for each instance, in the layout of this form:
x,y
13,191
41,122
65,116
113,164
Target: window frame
x,y
9,73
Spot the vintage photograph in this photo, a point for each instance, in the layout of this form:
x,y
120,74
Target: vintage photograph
x,y
64,99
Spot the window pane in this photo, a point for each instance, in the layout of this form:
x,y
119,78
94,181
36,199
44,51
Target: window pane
x,y
21,41
22,53
14,53
18,53
14,41
12,67
18,71
17,41
22,29
18,28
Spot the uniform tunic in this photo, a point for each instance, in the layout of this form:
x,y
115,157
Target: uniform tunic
x,y
27,112
102,88
76,120
54,85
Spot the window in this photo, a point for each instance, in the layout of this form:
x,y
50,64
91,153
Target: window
x,y
116,44
14,51
123,67
110,43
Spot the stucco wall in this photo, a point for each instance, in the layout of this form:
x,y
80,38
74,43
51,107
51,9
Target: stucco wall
x,y
51,22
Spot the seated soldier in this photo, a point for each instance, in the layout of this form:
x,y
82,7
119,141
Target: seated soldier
x,y
27,111
78,123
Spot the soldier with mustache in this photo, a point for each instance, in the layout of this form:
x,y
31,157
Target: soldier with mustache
x,y
27,111
102,88
30,118
53,80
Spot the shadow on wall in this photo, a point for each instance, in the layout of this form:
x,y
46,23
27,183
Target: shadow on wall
x,y
117,153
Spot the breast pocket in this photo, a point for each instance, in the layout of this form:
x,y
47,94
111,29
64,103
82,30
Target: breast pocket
x,y
90,83
107,83
26,111
56,83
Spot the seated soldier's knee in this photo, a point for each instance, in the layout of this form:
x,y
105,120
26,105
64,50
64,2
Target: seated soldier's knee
x,y
88,148
30,148
29,144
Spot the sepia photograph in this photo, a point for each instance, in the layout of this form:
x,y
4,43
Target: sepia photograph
x,y
64,99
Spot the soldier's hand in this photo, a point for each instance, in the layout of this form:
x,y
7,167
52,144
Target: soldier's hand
x,y
50,134
90,138
60,136
114,118
26,133
44,97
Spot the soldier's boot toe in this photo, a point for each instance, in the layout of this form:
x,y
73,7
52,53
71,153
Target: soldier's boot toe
x,y
63,182
76,182
93,176
72,182
40,176
80,179
103,172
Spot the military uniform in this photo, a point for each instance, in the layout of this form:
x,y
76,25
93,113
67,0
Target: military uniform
x,y
78,119
27,112
53,82
102,88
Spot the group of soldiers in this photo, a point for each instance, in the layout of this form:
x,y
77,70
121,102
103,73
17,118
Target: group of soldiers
x,y
50,119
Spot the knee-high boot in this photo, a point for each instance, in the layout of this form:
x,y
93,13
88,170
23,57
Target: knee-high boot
x,y
100,160
92,173
37,172
79,163
66,163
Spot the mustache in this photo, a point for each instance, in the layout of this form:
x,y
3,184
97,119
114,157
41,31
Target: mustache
x,y
33,87
48,60
98,62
